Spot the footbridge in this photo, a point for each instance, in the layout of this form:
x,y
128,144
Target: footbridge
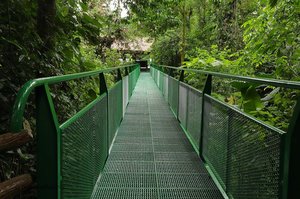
x,y
153,136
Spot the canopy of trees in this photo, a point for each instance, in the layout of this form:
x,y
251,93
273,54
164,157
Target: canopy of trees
x,y
247,37
250,37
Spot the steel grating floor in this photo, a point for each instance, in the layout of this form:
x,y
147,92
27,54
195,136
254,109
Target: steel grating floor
x,y
151,158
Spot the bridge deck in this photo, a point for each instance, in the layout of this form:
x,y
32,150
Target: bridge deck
x,y
151,156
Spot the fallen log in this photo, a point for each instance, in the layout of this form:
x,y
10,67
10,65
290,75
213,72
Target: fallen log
x,y
14,186
10,141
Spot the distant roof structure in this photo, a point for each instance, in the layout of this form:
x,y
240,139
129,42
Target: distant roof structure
x,y
138,44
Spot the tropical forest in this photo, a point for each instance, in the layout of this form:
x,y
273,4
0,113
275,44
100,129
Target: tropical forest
x,y
233,60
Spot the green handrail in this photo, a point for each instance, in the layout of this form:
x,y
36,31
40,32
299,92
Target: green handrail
x,y
272,82
289,141
25,91
48,130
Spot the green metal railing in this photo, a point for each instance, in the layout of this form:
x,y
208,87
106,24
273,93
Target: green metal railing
x,y
247,158
71,155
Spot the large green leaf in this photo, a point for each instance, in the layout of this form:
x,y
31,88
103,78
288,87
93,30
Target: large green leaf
x,y
250,97
91,20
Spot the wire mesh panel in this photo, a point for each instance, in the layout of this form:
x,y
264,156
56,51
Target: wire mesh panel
x,y
134,78
215,136
183,100
130,85
259,147
84,150
161,81
155,75
165,90
158,78
138,72
243,153
125,93
194,115
173,93
133,81
115,110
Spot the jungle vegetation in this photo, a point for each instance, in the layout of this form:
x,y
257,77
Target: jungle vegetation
x,y
41,38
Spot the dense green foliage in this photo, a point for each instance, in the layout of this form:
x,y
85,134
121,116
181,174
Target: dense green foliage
x,y
54,37
169,42
253,38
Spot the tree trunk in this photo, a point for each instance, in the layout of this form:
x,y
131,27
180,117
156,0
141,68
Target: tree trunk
x,y
183,38
45,22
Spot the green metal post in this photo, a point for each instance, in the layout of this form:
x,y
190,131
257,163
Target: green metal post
x,y
284,168
181,78
166,70
48,145
228,149
103,86
171,73
119,75
103,89
207,91
290,172
294,170
120,79
152,65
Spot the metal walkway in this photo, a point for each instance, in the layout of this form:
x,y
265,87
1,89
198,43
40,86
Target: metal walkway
x,y
151,156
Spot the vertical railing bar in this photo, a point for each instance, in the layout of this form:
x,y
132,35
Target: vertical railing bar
x,y
120,79
206,90
165,70
181,79
284,165
103,89
119,75
228,155
102,83
171,73
289,161
48,144
294,171
187,109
